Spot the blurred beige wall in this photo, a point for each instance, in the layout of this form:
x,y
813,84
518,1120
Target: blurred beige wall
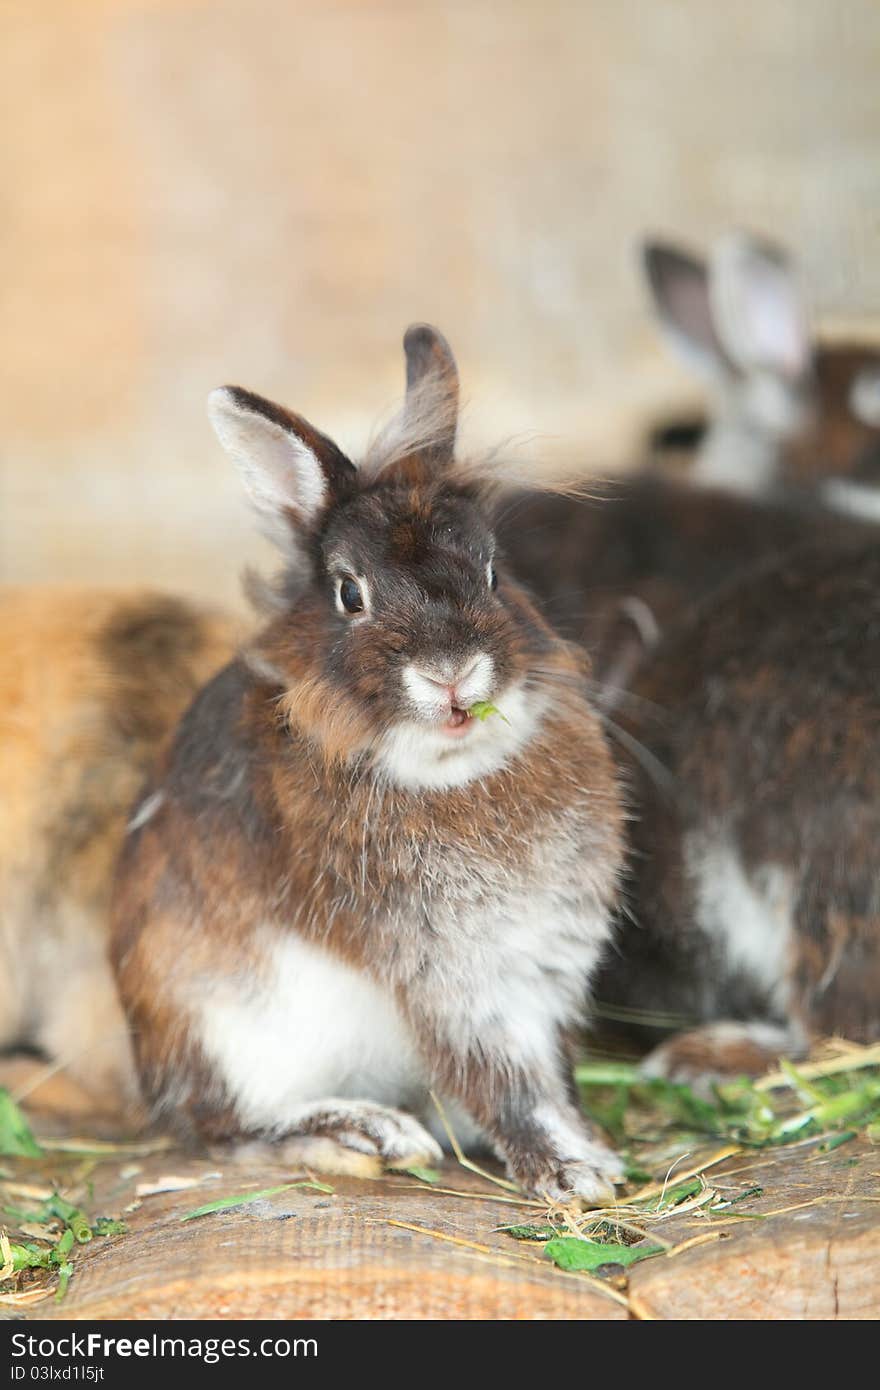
x,y
268,191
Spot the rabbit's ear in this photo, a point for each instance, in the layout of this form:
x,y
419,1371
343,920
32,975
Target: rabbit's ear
x,y
679,286
431,407
757,307
290,471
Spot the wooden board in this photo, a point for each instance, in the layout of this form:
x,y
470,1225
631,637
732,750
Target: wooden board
x,y
807,1247
304,1254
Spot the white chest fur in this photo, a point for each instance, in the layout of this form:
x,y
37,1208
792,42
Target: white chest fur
x,y
306,1027
500,962
512,973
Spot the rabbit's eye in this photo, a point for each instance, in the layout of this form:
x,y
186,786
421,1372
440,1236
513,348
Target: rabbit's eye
x,y
492,575
351,597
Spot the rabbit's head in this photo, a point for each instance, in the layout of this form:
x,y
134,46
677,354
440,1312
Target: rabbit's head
x,y
787,410
397,630
739,322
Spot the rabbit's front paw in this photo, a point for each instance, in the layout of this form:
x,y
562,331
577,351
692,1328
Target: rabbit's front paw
x,y
392,1136
395,1137
588,1181
353,1138
585,1172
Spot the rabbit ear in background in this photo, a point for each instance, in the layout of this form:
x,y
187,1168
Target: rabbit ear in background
x,y
431,405
290,471
679,286
757,307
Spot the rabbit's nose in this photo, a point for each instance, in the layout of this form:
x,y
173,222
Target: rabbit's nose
x,y
448,676
459,683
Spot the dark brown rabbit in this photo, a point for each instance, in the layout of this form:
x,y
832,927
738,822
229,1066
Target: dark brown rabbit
x,y
344,888
615,572
755,873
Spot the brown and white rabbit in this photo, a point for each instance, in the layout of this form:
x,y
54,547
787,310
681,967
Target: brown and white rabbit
x,y
344,890
785,410
617,574
755,875
92,681
795,432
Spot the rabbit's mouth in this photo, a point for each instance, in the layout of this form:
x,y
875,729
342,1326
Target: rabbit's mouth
x,y
458,723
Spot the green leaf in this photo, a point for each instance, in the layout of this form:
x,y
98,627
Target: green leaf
x,y
429,1175
536,1232
15,1132
30,1256
608,1074
689,1108
71,1216
836,1140
242,1198
849,1105
106,1226
24,1218
804,1088
738,1197
681,1192
63,1247
64,1274
481,709
569,1252
641,1176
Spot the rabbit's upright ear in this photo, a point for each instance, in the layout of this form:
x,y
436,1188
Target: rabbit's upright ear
x,y
431,407
757,306
291,472
679,287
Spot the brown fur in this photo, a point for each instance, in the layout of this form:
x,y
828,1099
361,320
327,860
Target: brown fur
x,y
91,681
836,443
668,544
276,817
700,1054
308,823
763,715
